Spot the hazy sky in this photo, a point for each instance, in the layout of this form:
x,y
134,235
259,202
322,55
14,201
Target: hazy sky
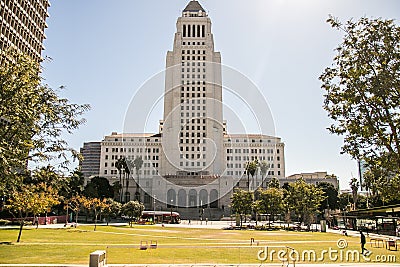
x,y
103,51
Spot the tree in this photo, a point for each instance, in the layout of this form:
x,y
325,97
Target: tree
x,y
119,164
304,200
138,162
383,187
75,184
132,209
112,209
97,206
270,201
274,183
241,203
33,119
251,169
354,185
127,167
362,91
99,187
77,203
31,200
331,200
264,166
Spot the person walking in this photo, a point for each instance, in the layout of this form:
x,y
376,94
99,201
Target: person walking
x,y
36,222
363,241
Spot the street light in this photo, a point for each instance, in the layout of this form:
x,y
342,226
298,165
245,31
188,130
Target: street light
x,y
172,203
154,209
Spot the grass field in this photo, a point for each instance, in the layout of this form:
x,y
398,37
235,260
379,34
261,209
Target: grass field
x,y
175,245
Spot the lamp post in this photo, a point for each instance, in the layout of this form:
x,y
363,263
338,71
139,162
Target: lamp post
x,y
172,203
154,209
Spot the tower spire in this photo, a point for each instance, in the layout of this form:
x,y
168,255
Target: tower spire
x,y
194,6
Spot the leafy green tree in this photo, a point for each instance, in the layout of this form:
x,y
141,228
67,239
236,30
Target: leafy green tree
x,y
383,187
304,200
98,187
112,209
138,163
77,203
270,201
33,119
241,203
132,209
331,194
274,183
31,199
75,184
362,91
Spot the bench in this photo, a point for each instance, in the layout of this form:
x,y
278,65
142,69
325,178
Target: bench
x,y
153,244
391,243
143,245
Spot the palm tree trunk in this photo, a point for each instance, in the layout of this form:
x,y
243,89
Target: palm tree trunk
x,y
120,187
127,184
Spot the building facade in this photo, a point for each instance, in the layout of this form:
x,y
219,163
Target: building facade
x,y
313,178
22,25
192,161
91,152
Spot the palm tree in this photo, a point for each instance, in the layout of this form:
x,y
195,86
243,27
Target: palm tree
x,y
138,162
127,168
263,169
119,164
251,168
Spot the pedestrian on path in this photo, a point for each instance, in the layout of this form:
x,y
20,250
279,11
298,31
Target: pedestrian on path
x,y
363,241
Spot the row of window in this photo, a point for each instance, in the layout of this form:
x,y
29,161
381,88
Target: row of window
x,y
199,89
192,134
193,114
199,76
193,107
252,141
192,164
253,150
193,58
199,52
194,30
192,82
129,150
133,140
193,43
192,148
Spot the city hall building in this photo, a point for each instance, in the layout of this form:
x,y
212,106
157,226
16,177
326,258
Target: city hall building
x,y
192,161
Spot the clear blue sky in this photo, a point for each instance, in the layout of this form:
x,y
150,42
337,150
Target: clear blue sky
x,y
103,51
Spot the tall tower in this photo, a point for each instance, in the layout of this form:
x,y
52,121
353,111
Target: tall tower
x,y
192,130
22,25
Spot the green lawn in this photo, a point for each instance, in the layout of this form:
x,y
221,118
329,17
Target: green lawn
x,y
175,245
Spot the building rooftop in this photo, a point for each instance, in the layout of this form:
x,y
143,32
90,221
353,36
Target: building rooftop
x,y
194,6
